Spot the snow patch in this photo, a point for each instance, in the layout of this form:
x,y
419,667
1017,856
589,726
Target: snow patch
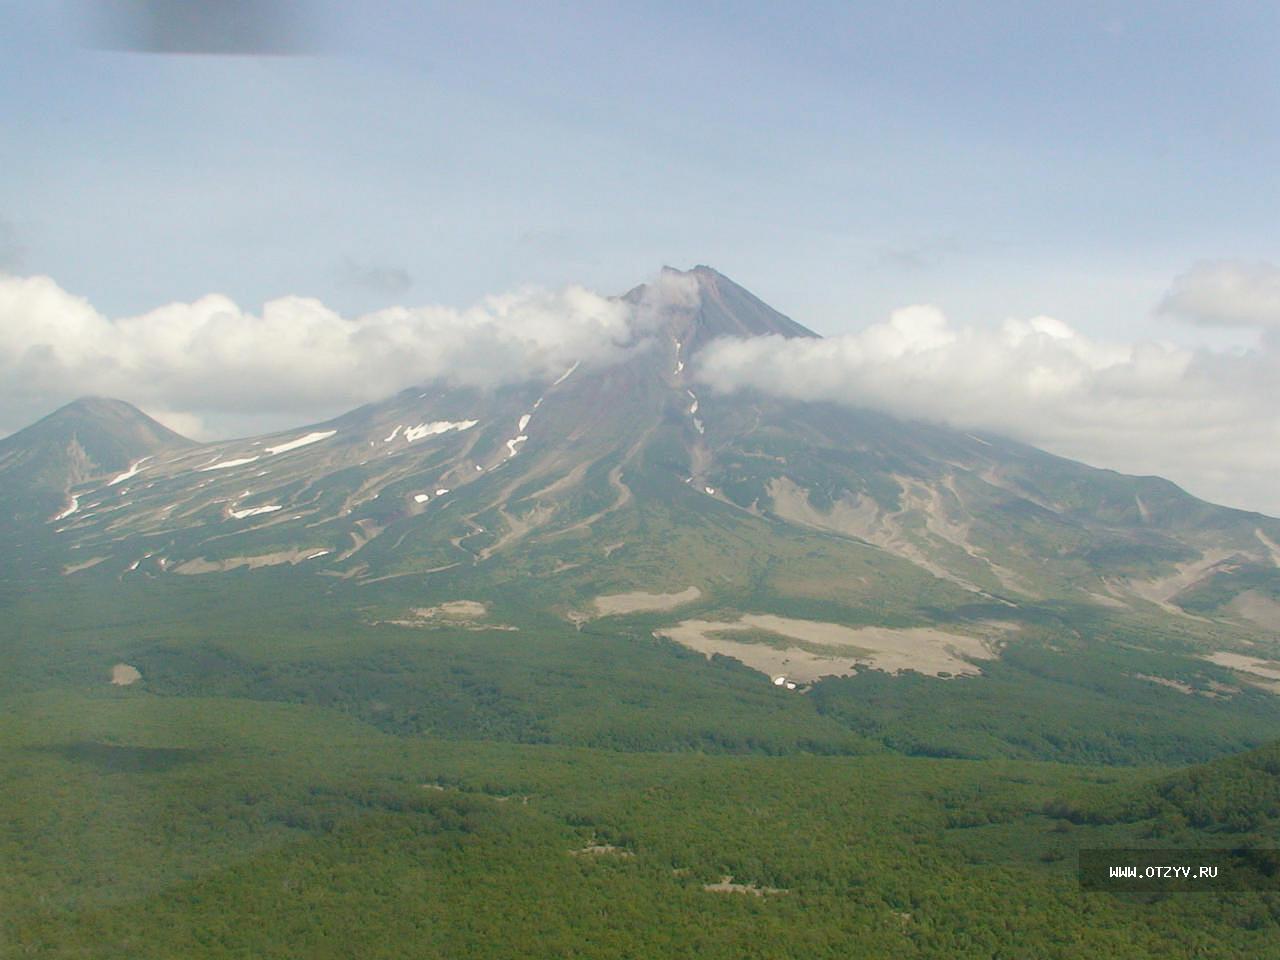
x,y
393,434
524,422
319,553
131,472
227,463
565,376
710,490
515,442
420,498
442,491
301,442
75,505
437,427
254,511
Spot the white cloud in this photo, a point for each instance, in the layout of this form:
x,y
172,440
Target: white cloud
x,y
1226,293
1203,419
294,359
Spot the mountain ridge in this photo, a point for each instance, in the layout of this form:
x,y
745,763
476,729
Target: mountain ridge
x,y
529,476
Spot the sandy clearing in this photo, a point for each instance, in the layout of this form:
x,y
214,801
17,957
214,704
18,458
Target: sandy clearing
x,y
830,649
1257,608
454,610
1266,669
123,674
860,517
453,614
726,885
638,601
1273,548
1162,590
602,849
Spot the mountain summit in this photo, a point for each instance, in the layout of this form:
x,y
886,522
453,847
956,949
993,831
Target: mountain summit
x,y
89,437
634,476
702,304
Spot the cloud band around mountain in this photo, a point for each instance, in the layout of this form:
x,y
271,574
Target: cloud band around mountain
x,y
1205,419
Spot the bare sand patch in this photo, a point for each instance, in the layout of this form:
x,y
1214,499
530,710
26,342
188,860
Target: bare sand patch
x,y
454,610
123,674
602,849
1263,673
818,649
640,602
861,517
1162,590
1273,548
455,614
726,885
1257,608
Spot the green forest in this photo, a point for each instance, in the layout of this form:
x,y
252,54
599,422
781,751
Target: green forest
x,y
297,779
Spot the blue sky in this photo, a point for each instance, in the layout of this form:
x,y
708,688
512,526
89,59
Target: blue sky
x,y
994,210
839,159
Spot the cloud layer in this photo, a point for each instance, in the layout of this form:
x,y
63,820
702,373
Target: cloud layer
x,y
1206,420
1226,293
215,362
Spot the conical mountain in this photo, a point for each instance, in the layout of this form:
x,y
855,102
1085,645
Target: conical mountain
x,y
701,304
89,437
633,476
